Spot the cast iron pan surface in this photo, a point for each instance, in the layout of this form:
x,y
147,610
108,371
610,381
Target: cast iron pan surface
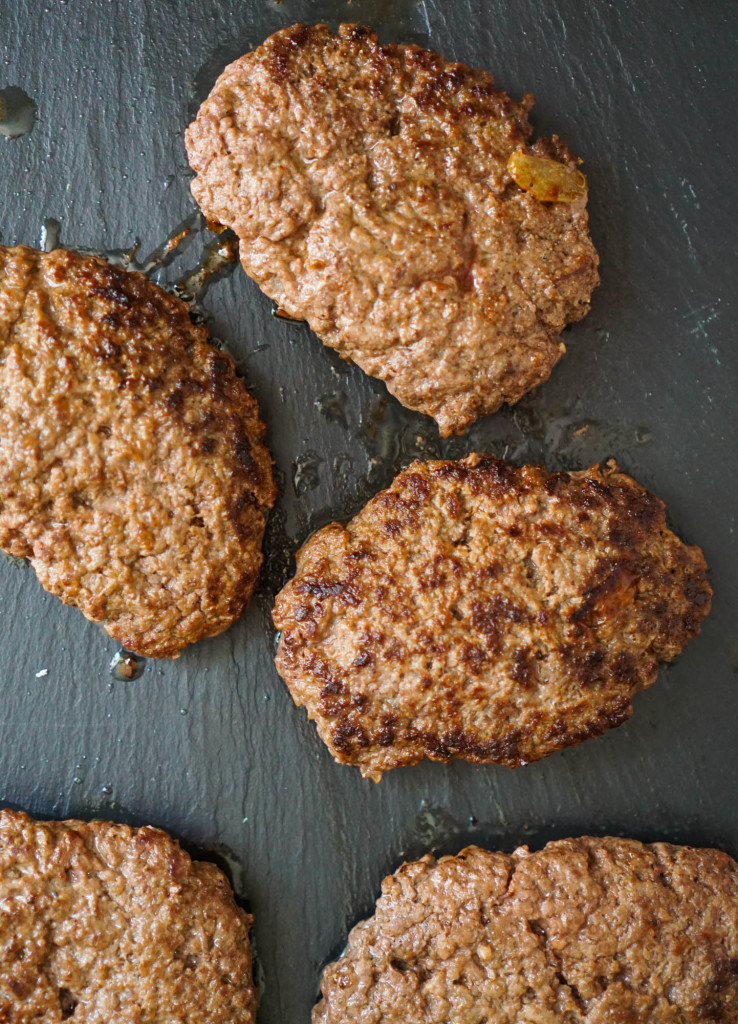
x,y
210,747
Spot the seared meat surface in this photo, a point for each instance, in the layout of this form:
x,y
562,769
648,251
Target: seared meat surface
x,y
473,610
133,472
104,923
395,202
585,931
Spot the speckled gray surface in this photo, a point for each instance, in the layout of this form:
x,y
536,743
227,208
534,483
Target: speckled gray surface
x,y
210,746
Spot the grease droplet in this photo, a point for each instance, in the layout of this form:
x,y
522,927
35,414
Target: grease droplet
x,y
333,407
280,314
125,665
48,239
306,474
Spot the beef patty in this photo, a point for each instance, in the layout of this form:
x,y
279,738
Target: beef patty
x,y
586,930
478,611
103,923
133,472
395,202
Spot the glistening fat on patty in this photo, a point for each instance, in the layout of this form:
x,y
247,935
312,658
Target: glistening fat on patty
x,y
396,202
133,470
477,611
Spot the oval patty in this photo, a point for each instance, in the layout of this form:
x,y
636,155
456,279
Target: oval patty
x,y
375,192
133,473
102,923
478,611
586,931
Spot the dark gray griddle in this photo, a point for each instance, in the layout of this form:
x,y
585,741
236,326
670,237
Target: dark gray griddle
x,y
210,746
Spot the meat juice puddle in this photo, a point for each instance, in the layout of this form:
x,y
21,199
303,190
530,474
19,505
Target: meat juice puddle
x,y
432,829
393,437
561,439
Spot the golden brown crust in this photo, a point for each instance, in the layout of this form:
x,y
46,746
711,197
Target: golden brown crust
x,y
585,931
370,187
102,923
133,472
478,611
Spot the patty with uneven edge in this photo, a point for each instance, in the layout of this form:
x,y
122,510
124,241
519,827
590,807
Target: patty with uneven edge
x,y
101,923
133,471
395,202
477,611
597,931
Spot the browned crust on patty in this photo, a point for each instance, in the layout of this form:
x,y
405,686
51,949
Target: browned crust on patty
x,y
586,930
477,611
102,922
369,186
133,473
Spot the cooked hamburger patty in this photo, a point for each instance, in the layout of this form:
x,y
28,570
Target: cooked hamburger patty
x,y
478,611
374,189
102,923
133,472
586,930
